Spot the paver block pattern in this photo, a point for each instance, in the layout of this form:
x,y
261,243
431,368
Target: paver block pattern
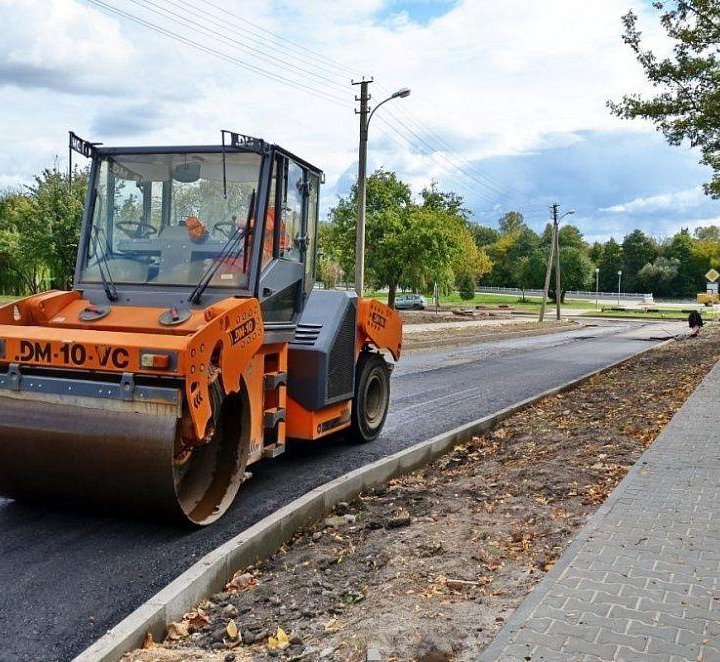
x,y
642,579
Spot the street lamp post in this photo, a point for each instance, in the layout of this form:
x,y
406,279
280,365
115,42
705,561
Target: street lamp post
x,y
597,285
362,174
619,280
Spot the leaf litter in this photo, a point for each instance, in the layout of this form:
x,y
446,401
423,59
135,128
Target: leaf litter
x,y
429,566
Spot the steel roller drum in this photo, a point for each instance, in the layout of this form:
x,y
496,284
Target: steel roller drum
x,y
113,460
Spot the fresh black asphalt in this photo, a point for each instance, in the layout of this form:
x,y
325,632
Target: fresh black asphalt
x,y
67,577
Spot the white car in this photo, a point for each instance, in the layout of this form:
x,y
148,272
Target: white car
x,y
410,302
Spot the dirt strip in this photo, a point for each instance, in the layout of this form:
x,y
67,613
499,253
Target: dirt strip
x,y
467,335
428,567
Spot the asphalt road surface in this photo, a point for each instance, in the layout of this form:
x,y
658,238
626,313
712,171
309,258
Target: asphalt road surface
x,y
67,577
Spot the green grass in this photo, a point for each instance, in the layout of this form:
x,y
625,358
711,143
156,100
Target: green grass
x,y
530,303
4,298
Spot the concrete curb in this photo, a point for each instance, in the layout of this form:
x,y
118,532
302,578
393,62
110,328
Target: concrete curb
x,y
211,573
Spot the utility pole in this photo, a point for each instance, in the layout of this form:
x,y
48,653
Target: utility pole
x,y
364,100
554,252
547,273
556,223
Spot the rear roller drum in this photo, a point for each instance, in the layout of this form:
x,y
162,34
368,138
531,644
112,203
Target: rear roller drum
x,y
372,397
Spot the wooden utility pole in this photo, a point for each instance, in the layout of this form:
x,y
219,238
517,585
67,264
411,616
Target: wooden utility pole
x,y
547,273
364,100
556,225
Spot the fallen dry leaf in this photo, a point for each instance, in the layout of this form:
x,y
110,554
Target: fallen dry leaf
x,y
280,641
177,630
232,629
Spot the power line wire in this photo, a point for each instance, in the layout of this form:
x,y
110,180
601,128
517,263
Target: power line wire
x,y
218,54
466,168
235,43
426,146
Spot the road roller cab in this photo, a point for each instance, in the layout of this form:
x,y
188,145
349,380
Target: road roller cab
x,y
193,343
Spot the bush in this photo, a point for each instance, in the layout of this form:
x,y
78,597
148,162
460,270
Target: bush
x,y
466,286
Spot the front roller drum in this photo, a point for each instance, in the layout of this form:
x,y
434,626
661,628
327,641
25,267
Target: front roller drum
x,y
121,461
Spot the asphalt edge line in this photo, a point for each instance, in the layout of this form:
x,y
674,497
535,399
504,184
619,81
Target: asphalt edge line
x,y
210,574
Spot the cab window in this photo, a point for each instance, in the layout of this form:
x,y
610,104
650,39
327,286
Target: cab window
x,y
291,228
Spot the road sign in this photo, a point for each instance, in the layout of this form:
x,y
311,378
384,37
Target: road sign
x,y
712,275
712,288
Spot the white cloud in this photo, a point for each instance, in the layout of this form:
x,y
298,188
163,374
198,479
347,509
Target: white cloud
x,y
676,200
488,78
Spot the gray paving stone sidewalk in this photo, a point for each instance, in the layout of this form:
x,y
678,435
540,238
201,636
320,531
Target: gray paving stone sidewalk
x,y
642,579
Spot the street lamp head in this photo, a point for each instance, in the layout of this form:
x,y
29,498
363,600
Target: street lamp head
x,y
619,273
572,211
597,270
401,93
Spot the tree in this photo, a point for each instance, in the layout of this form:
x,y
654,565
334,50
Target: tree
x,y
637,250
471,262
506,252
447,202
482,234
40,231
23,240
512,221
707,232
530,270
568,237
658,277
385,193
409,245
576,271
596,252
687,281
686,106
60,206
466,287
610,263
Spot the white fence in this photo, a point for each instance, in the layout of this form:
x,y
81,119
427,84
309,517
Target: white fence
x,y
573,294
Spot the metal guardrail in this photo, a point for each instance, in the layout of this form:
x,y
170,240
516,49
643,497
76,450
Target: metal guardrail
x,y
572,294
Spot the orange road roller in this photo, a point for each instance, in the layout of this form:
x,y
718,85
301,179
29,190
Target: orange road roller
x,y
193,343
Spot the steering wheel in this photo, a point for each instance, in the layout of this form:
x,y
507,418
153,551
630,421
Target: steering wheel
x,y
136,229
226,228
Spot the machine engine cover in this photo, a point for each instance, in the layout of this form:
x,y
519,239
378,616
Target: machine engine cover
x,y
321,357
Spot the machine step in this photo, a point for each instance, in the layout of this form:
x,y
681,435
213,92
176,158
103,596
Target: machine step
x,y
271,417
274,379
273,450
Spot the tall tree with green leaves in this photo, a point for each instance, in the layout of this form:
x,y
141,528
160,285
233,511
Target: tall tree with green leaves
x,y
408,245
637,250
610,263
512,221
687,282
40,230
686,105
483,235
576,271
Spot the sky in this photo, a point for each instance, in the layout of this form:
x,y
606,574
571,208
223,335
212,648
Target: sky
x,y
508,104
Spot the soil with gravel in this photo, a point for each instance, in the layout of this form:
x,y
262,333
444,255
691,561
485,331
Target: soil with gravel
x,y
429,566
446,314
466,335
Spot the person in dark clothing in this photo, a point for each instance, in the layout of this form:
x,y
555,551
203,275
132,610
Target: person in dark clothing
x,y
695,322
